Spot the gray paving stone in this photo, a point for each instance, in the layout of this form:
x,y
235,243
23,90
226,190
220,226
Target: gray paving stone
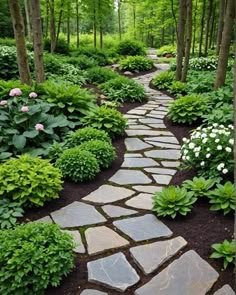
x,y
130,177
161,171
136,144
92,292
164,154
164,145
143,227
189,274
47,219
147,188
139,162
170,163
139,127
150,121
157,126
141,201
133,155
137,112
77,214
77,239
155,117
158,112
162,179
127,116
108,194
101,238
167,139
147,132
225,290
117,211
112,271
151,256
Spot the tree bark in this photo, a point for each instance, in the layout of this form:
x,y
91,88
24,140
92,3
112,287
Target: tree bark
x,y
27,16
202,28
134,19
94,28
212,26
220,25
195,27
46,19
225,44
68,22
119,18
208,26
52,26
77,24
59,21
19,33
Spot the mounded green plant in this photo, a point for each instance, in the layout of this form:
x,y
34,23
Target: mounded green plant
x,y
7,86
136,64
62,46
100,56
130,47
82,61
34,256
103,151
163,80
188,109
78,165
29,181
172,201
223,198
166,50
108,119
177,88
98,75
222,114
226,251
199,186
55,151
9,212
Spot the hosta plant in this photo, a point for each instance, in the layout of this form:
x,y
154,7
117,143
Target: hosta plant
x,y
226,251
172,201
163,80
9,212
177,88
199,185
223,115
130,47
98,75
136,64
223,198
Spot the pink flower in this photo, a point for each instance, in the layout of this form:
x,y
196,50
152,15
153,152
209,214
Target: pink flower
x,y
15,92
33,94
25,109
3,102
39,127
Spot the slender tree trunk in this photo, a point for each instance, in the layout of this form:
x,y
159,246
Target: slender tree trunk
x,y
119,18
52,26
27,16
134,19
162,36
101,36
225,44
208,26
234,101
59,21
46,19
220,25
94,29
19,33
194,27
38,41
77,24
68,22
202,28
212,26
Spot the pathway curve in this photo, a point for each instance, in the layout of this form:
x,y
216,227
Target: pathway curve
x,y
114,227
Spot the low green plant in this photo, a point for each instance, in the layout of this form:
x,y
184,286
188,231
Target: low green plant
x,y
9,212
188,109
82,62
130,47
221,96
62,46
100,56
98,75
55,151
29,181
223,115
167,50
34,256
103,151
163,80
7,86
200,82
199,186
223,198
172,201
78,165
107,119
203,63
177,88
136,64
226,251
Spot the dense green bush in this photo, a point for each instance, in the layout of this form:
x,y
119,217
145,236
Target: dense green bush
x,y
163,80
223,115
62,46
107,119
33,257
29,181
200,82
188,109
98,75
177,88
103,151
96,54
136,64
82,61
7,86
223,95
226,251
9,212
123,89
167,50
199,186
78,165
203,63
130,47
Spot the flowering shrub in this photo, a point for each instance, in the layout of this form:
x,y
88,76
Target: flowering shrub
x,y
203,63
209,151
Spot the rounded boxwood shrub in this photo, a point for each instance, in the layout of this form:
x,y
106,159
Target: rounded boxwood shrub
x,y
29,181
103,151
34,256
136,64
130,47
98,75
78,165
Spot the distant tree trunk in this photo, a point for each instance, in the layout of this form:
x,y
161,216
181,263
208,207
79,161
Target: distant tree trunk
x,y
162,36
208,26
101,36
194,27
19,33
52,26
212,26
59,21
134,19
225,44
187,40
119,18
68,22
220,25
202,28
27,16
94,29
46,19
77,24
38,41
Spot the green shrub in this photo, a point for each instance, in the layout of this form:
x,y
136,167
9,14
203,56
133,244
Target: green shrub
x,y
226,251
55,151
33,257
223,198
52,63
177,87
203,63
200,82
188,109
96,54
163,80
103,151
62,46
223,95
167,50
98,75
136,64
172,200
9,212
82,61
223,115
29,181
107,119
7,86
123,89
130,47
199,186
78,165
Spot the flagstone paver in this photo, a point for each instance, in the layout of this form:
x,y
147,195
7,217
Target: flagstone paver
x,y
163,154
139,162
47,219
166,139
147,188
225,290
117,211
162,179
133,155
163,171
130,177
164,145
93,292
141,201
136,144
77,239
170,163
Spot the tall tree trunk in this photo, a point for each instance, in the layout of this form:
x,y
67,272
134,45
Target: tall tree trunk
x,y
220,25
188,40
68,22
94,28
38,41
234,101
101,36
225,44
77,24
52,26
19,33
208,26
134,19
194,26
27,16
59,21
46,19
119,18
212,26
202,28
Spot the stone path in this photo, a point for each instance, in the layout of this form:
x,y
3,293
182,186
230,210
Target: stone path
x,y
115,221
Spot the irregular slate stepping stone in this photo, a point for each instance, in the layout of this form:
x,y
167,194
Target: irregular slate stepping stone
x,y
133,155
101,238
92,292
156,112
155,117
132,116
162,179
138,127
189,274
150,121
143,227
141,201
137,112
136,144
108,194
167,139
139,162
225,290
147,132
47,219
77,239
156,126
164,145
113,271
77,214
161,171
117,211
130,177
170,163
151,256
147,188
164,154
